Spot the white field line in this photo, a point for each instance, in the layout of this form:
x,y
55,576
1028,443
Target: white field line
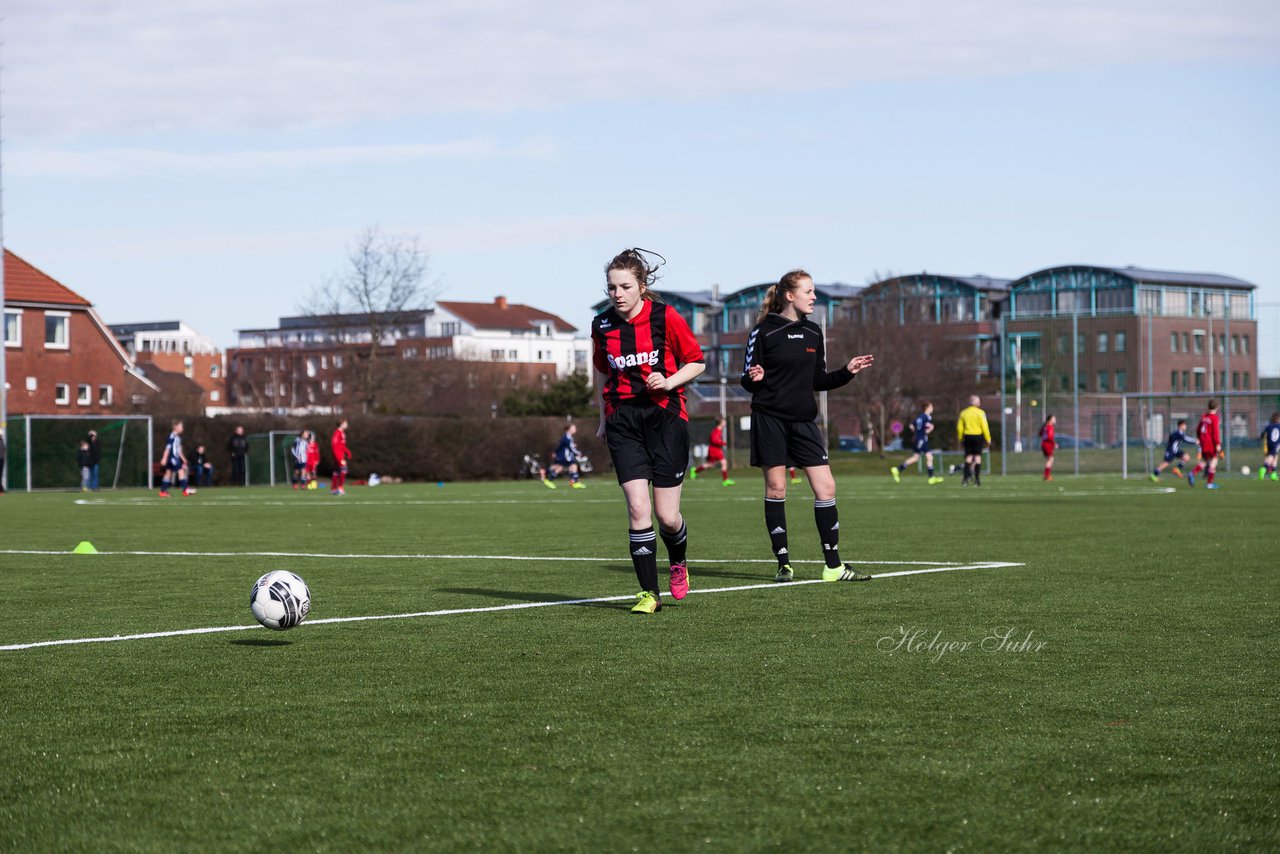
x,y
332,555
514,606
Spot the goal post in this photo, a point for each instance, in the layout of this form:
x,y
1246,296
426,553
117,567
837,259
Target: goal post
x,y
42,454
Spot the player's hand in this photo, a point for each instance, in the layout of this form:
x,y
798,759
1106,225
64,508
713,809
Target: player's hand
x,y
1222,455
656,382
755,373
857,363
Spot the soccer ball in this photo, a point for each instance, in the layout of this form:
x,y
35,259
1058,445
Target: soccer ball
x,y
280,600
1244,470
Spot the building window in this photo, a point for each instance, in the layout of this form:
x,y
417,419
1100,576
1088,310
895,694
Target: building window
x,y
451,328
1102,342
213,370
1120,342
324,362
495,355
104,395
62,394
1064,382
1173,381
188,366
1222,381
215,396
337,360
1104,381
337,386
1198,342
1173,342
12,327
1063,345
1235,380
1199,375
1244,345
1244,382
1080,343
1235,344
1222,344
1122,381
55,329
311,366
1186,343
82,395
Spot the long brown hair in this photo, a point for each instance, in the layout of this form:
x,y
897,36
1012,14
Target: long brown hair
x,y
775,299
636,262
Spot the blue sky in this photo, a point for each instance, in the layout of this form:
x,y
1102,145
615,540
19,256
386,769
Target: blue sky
x,y
214,161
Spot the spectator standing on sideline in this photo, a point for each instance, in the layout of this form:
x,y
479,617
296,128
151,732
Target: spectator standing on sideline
x,y
975,437
83,458
238,449
341,456
645,353
201,468
785,365
95,459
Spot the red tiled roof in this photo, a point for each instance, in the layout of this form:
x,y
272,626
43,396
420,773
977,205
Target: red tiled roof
x,y
24,283
501,314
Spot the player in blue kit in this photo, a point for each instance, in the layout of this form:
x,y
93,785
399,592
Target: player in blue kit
x,y
1173,452
1271,448
921,428
566,457
174,463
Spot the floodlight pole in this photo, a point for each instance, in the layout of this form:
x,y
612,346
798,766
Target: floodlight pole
x,y
4,349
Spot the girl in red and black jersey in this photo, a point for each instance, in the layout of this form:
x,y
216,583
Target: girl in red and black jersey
x,y
1048,444
646,353
785,365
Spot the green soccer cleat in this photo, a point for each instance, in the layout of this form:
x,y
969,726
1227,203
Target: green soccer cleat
x,y
1275,476
934,481
844,573
1154,478
893,470
548,484
646,603
784,574
729,482
693,474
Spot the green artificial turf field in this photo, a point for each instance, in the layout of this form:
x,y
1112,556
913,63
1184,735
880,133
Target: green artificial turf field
x,y
1094,669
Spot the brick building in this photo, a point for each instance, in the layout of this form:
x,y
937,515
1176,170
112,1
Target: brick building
x,y
174,348
60,358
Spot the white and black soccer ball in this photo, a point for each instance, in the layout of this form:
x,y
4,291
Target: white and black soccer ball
x,y
280,600
1245,470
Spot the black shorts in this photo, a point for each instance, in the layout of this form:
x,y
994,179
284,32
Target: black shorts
x,y
648,443
776,442
974,446
921,446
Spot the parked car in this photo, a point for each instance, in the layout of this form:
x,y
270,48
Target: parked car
x,y
1070,442
852,443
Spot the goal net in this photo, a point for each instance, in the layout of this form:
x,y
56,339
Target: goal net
x,y
1148,419
42,451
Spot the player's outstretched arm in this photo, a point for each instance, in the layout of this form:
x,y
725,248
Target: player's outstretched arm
x,y
858,363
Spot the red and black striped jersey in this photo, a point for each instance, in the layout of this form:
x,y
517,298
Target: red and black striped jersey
x,y
627,351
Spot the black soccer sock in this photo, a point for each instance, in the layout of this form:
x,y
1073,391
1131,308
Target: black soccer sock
x,y
676,542
644,556
775,522
930,471
828,519
977,474
164,484
968,471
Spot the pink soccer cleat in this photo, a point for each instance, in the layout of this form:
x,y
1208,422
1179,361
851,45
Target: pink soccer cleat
x,y
679,581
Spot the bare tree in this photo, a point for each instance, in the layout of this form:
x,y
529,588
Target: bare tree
x,y
371,303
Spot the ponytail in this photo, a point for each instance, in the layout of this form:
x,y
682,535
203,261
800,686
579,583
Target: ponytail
x,y
775,299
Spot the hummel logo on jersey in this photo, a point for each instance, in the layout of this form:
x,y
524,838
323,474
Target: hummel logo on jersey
x,y
778,530
641,552
794,337
633,359
604,323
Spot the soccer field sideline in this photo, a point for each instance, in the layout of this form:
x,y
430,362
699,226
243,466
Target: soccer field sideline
x,y
931,567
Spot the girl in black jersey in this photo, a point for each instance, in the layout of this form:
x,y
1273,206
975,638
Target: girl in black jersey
x,y
785,365
646,353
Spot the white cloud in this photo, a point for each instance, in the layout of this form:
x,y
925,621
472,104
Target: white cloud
x,y
86,67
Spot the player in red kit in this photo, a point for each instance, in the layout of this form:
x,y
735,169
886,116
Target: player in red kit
x,y
1209,434
645,354
715,455
1048,444
341,456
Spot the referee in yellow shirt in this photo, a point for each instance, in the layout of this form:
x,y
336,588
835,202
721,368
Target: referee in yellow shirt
x,y
975,437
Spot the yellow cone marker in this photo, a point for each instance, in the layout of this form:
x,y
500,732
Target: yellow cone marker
x,y
85,548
